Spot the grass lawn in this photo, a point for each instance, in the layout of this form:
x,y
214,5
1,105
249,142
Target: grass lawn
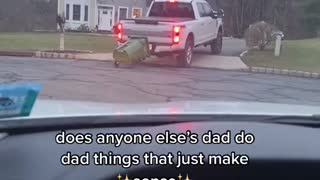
x,y
50,41
303,55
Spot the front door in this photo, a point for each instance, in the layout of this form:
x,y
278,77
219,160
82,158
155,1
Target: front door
x,y
105,19
201,27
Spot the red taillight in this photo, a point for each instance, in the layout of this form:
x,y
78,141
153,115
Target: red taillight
x,y
177,29
119,27
176,34
119,36
176,40
172,2
119,32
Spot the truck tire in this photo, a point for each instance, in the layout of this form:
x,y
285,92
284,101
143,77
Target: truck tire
x,y
216,45
185,57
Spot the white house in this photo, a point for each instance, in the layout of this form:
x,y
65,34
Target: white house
x,y
103,14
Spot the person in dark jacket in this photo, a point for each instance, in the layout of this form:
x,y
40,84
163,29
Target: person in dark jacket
x,y
60,21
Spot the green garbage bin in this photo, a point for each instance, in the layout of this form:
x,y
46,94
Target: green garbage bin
x,y
131,52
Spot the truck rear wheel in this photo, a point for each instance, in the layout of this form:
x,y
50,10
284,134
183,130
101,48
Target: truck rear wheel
x,y
216,45
185,58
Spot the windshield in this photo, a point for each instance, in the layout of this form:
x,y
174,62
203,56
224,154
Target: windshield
x,y
172,9
146,52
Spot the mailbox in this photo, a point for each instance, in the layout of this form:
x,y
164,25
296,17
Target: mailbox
x,y
278,36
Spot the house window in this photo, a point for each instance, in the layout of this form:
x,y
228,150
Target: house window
x,y
76,12
123,13
136,12
207,9
67,11
86,13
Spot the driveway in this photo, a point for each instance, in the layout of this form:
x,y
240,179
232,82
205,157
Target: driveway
x,y
231,47
228,59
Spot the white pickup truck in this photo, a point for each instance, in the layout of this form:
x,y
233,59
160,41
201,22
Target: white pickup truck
x,y
175,27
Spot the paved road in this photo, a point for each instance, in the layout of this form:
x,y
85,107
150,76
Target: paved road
x,y
99,81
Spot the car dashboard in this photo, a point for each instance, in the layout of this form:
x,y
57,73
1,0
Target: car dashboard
x,y
278,152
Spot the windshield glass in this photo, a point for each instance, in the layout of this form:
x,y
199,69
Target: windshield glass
x,y
172,9
144,52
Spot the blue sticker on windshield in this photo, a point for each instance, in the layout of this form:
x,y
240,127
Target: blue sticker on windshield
x,y
18,100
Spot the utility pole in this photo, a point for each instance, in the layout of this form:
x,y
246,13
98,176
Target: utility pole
x,y
62,41
61,21
62,32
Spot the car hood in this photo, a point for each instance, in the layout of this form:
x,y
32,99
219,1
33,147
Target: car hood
x,y
49,108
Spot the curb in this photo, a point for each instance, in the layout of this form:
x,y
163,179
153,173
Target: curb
x,y
69,56
54,55
285,72
17,54
244,53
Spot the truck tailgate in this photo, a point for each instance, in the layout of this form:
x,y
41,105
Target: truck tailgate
x,y
156,33
157,30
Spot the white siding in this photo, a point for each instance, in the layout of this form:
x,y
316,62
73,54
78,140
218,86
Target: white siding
x,y
74,24
93,10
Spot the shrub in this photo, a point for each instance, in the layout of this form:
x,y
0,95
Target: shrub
x,y
83,28
259,35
